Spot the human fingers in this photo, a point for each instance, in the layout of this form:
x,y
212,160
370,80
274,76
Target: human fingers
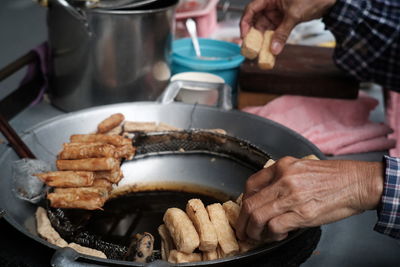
x,y
258,181
249,14
281,34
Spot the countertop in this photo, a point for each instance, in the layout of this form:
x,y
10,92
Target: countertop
x,y
350,242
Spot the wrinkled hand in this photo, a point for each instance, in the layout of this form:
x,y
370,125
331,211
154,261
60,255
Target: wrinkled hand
x,y
281,16
296,193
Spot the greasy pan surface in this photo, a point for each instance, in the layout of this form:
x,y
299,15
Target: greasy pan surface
x,y
45,141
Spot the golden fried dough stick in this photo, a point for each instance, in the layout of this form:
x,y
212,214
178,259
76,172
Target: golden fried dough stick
x,y
125,151
252,43
167,244
87,198
226,236
114,176
115,140
210,255
67,178
102,183
110,123
232,211
115,131
132,126
86,150
181,229
181,257
92,164
266,60
198,214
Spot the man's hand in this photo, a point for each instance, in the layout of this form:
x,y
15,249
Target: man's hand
x,y
281,16
295,193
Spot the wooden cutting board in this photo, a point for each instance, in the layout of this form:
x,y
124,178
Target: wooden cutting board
x,y
299,70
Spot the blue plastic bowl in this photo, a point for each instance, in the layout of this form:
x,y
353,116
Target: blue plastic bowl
x,y
226,66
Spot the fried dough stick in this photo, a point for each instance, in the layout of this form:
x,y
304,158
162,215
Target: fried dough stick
x,y
86,150
114,176
226,236
132,126
210,255
181,257
102,183
181,229
67,178
86,198
125,151
115,140
198,214
110,123
92,164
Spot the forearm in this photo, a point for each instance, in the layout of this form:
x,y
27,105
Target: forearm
x,y
368,39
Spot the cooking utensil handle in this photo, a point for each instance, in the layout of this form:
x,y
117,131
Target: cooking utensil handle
x,y
173,89
67,257
17,144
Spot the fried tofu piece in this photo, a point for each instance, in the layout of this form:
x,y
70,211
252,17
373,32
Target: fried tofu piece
x,y
266,60
110,123
252,43
182,230
226,236
115,140
86,150
87,198
114,176
92,164
181,257
67,178
198,214
232,211
210,255
167,244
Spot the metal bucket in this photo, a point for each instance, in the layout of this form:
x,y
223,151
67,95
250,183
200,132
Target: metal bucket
x,y
102,56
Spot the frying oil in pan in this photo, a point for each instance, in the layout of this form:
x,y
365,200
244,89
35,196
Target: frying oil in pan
x,y
142,209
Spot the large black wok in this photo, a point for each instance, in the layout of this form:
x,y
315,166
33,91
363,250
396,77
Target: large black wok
x,y
222,174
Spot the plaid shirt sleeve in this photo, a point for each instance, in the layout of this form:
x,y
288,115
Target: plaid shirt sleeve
x,y
389,209
367,33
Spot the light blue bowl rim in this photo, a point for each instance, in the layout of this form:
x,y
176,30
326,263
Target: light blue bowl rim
x,y
199,64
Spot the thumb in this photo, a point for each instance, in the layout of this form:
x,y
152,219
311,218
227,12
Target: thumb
x,y
281,35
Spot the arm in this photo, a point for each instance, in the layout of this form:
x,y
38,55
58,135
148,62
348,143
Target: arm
x,y
368,39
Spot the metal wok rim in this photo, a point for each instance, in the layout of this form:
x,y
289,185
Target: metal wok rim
x,y
261,249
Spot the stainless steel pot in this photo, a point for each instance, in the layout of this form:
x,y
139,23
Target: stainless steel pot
x,y
101,56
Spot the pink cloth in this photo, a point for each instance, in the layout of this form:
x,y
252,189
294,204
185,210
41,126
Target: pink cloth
x,y
335,126
393,120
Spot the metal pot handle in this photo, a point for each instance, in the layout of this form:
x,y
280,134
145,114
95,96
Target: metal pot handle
x,y
67,257
77,13
224,92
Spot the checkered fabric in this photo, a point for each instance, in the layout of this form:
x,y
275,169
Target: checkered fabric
x,y
367,33
389,209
